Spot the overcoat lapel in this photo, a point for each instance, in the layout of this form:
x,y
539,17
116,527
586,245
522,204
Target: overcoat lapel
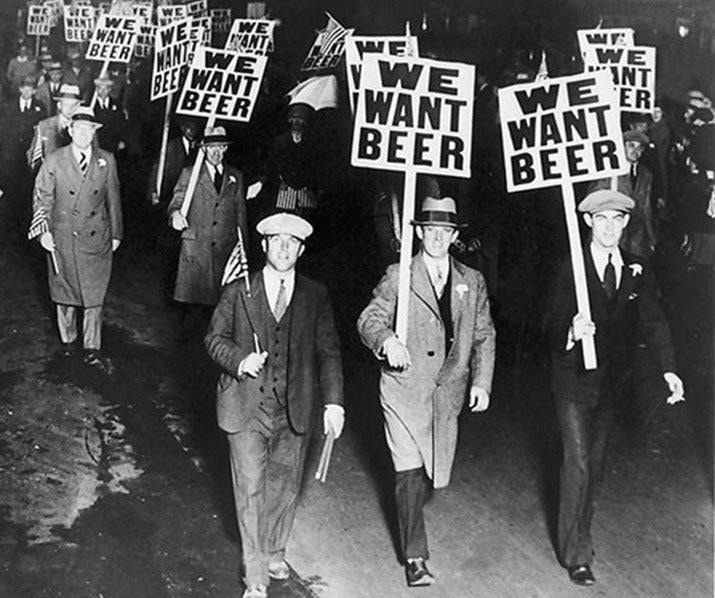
x,y
421,285
252,307
206,181
456,299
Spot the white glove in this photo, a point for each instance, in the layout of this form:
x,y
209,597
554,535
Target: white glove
x,y
396,353
47,241
252,364
115,244
333,419
478,399
675,385
254,190
581,327
178,221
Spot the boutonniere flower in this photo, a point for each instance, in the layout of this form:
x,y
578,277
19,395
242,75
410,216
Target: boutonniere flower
x,y
231,178
636,269
37,108
461,289
102,162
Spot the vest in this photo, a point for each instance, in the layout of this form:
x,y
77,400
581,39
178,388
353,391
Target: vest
x,y
275,372
445,310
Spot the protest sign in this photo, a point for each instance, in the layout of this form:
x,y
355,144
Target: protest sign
x,y
222,83
103,8
145,41
414,112
79,23
557,132
170,13
613,36
38,20
413,115
174,47
220,19
328,47
356,46
113,39
633,72
251,36
198,8
144,11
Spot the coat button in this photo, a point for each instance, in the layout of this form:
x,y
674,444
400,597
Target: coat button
x,y
215,222
430,353
92,234
71,192
75,212
74,233
260,388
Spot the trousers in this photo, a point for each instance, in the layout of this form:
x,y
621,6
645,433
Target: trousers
x,y
412,488
91,325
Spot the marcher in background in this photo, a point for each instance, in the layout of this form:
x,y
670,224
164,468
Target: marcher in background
x,y
449,353
640,237
49,90
76,72
209,230
53,133
622,293
77,193
20,67
279,353
110,114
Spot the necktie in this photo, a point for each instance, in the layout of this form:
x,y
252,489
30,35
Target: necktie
x,y
218,179
281,302
439,281
83,163
633,176
609,278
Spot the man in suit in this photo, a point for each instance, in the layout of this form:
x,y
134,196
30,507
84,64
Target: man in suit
x,y
76,72
48,91
53,133
622,294
77,190
640,236
110,114
449,353
209,230
279,353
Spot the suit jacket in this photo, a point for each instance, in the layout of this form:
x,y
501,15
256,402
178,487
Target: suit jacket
x,y
427,397
113,121
84,79
634,306
84,215
176,160
45,95
18,130
315,367
213,221
640,232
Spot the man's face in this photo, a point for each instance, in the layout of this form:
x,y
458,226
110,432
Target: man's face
x,y
634,150
102,91
190,131
67,106
282,251
607,227
215,153
657,114
26,92
82,134
436,239
298,123
56,76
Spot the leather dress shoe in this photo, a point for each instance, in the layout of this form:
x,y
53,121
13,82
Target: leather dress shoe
x,y
67,350
279,570
581,575
417,573
256,591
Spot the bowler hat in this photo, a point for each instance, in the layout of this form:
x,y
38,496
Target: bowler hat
x,y
285,223
606,199
639,136
438,211
215,136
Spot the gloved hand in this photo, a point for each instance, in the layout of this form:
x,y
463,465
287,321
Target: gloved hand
x,y
333,419
396,353
252,364
178,221
47,241
675,385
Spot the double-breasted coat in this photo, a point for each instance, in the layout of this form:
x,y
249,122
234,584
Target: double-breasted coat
x,y
427,397
84,215
314,373
212,233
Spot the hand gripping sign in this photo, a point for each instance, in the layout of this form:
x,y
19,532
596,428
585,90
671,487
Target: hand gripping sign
x,y
413,115
558,132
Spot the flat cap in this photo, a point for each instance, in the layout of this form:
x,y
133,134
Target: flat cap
x,y
606,199
639,136
284,223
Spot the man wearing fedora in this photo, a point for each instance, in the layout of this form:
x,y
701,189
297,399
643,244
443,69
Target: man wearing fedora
x,y
53,133
448,355
110,114
77,192
279,354
49,90
76,72
640,236
623,295
209,229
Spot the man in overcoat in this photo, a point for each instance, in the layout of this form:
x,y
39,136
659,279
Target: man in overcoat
x,y
110,114
77,189
623,295
209,231
49,90
449,354
279,354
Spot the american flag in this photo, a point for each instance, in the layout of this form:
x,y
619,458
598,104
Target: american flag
x,y
237,263
35,153
332,33
39,223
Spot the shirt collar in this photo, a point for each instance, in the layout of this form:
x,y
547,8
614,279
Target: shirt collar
x,y
275,277
433,263
77,152
600,258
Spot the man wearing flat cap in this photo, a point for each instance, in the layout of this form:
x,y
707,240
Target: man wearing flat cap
x,y
209,230
77,193
447,357
280,361
640,236
623,296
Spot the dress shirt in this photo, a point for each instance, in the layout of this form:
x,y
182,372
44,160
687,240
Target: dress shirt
x,y
212,169
600,259
87,152
25,105
433,265
272,282
186,144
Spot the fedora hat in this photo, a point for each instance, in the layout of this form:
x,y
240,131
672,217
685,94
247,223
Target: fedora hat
x,y
215,136
85,115
438,211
